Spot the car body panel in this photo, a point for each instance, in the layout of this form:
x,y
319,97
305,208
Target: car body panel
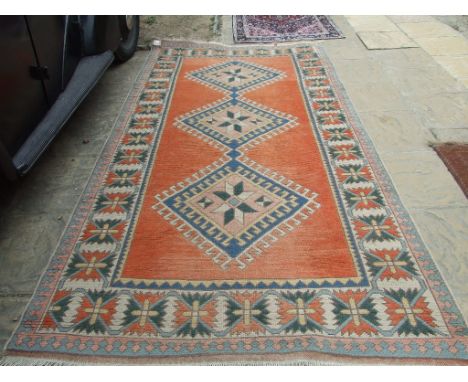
x,y
22,99
41,56
47,37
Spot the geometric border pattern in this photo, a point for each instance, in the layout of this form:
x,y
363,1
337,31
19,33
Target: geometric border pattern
x,y
404,314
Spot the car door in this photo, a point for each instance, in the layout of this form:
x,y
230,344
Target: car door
x,y
48,36
23,100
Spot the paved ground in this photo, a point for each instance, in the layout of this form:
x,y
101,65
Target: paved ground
x,y
459,23
179,27
404,97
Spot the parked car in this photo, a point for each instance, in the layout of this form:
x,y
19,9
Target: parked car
x,y
48,66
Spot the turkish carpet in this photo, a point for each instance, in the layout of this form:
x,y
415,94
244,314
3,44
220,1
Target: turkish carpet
x,y
283,28
239,214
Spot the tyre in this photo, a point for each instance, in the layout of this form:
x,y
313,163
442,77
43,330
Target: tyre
x,y
129,30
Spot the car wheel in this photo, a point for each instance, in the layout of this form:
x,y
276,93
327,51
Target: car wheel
x,y
129,30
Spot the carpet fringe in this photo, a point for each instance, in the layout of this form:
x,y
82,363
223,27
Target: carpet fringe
x,y
29,361
25,361
202,44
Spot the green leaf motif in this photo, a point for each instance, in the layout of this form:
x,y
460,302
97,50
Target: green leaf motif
x,y
223,195
228,216
239,188
245,208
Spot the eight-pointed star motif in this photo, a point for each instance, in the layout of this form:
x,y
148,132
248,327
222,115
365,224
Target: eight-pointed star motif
x,y
233,121
234,206
235,75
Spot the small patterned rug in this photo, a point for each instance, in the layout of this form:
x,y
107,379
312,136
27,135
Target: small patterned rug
x,y
283,28
239,214
455,157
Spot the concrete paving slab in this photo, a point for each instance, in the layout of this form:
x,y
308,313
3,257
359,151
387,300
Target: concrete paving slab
x,y
364,69
227,36
11,308
456,66
444,46
428,29
443,110
344,25
450,135
191,27
2,344
24,259
375,96
422,81
457,22
396,131
445,233
354,50
410,19
386,40
372,24
422,180
402,58
348,48
442,40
